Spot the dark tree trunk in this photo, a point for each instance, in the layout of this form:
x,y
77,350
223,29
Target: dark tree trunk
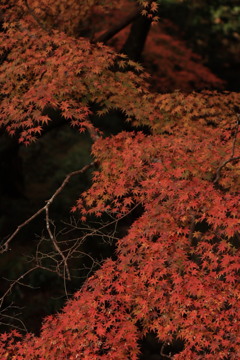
x,y
135,42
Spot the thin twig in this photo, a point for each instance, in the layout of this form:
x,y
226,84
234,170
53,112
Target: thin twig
x,y
10,318
74,248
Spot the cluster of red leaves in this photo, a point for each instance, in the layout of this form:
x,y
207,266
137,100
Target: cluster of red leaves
x,y
170,276
61,72
185,279
68,16
176,271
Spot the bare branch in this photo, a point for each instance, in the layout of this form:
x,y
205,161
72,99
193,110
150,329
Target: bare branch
x,y
6,319
5,246
14,282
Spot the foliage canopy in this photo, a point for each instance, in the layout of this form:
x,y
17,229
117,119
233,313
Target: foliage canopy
x,y
177,270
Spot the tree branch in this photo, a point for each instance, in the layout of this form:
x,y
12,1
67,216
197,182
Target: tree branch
x,y
232,157
117,28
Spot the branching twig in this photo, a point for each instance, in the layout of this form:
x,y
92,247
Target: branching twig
x,y
45,208
54,241
71,245
232,157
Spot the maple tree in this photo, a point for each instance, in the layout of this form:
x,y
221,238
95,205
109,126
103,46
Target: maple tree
x,y
176,272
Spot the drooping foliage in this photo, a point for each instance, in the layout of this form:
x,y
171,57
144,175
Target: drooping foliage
x,y
176,271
